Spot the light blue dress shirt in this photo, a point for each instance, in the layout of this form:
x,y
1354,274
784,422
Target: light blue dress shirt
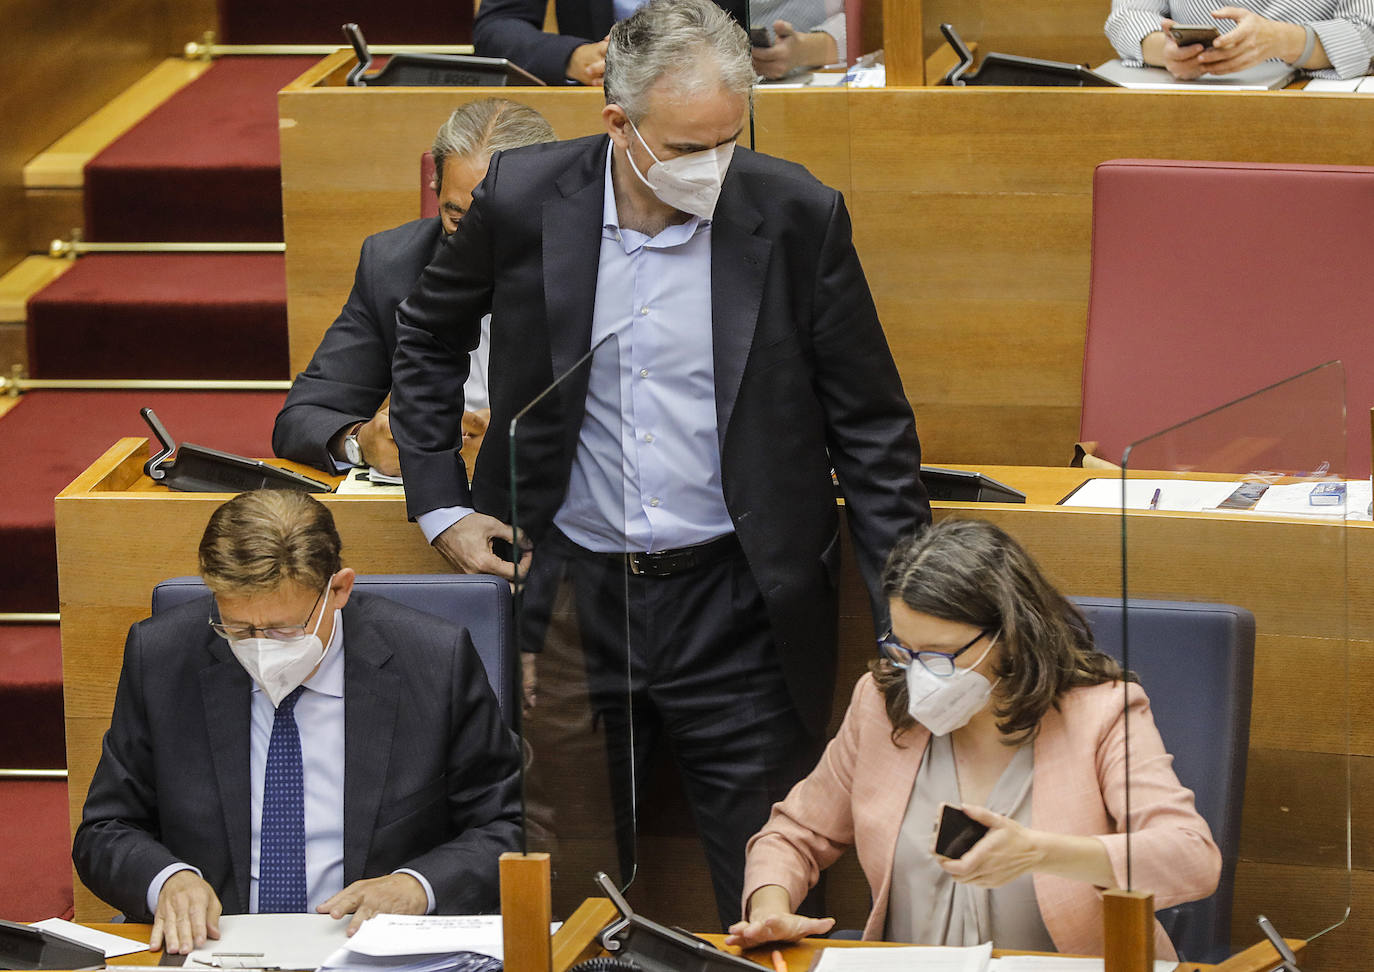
x,y
646,475
320,719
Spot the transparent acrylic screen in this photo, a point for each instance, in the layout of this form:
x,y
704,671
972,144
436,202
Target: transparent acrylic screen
x,y
571,622
1279,794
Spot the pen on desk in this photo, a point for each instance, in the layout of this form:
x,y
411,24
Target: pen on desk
x,y
779,963
1154,501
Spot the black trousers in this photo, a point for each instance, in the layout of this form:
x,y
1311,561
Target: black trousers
x,y
683,665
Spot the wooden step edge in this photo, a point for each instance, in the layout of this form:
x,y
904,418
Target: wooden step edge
x,y
24,279
62,164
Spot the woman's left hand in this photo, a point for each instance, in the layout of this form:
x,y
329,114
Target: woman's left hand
x,y
1005,852
1253,40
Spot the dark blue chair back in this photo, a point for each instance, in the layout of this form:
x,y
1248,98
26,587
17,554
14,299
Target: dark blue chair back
x,y
479,602
1195,662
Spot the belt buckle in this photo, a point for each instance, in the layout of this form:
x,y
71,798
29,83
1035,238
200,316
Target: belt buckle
x,y
632,561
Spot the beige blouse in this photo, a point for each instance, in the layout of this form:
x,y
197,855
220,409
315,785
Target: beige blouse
x,y
926,905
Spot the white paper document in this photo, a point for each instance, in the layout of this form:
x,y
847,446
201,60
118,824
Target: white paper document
x,y
1333,84
1295,499
271,941
1055,963
972,959
362,482
111,945
1265,76
1175,495
385,936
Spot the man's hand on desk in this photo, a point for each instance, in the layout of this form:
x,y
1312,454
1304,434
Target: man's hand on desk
x,y
379,448
395,894
467,545
188,913
771,920
587,64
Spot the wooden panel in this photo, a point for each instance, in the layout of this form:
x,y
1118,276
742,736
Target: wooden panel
x,y
1060,30
53,214
27,278
76,57
379,176
1302,901
904,55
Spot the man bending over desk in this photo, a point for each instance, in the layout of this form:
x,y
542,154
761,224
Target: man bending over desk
x,y
282,746
335,416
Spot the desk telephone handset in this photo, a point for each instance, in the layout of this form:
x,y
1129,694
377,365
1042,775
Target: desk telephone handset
x,y
636,943
198,469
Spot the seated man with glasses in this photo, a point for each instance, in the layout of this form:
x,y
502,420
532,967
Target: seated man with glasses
x,y
288,745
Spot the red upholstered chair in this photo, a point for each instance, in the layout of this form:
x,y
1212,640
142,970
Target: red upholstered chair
x,y
429,201
1211,280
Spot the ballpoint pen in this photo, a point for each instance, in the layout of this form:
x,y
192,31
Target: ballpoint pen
x,y
1154,501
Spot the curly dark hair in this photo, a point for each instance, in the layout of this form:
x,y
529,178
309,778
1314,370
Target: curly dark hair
x,y
973,572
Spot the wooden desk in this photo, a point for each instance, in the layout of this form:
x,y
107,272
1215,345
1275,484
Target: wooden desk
x,y
798,956
972,210
118,535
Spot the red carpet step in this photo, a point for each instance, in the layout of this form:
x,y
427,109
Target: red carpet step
x,y
318,21
50,437
154,315
35,843
203,166
31,730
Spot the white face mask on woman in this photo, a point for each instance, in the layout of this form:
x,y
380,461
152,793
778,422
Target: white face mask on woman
x,y
944,703
690,183
279,667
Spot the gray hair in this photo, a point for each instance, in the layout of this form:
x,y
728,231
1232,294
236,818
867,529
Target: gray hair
x,y
678,40
480,128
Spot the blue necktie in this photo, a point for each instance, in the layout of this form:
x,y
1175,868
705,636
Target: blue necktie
x,y
281,856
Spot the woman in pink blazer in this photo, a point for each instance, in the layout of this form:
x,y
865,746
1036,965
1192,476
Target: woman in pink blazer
x,y
990,692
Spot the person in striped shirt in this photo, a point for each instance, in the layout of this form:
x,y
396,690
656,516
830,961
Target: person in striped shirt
x,y
1328,38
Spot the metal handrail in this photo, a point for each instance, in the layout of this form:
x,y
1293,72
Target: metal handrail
x,y
29,617
33,774
206,49
75,247
16,384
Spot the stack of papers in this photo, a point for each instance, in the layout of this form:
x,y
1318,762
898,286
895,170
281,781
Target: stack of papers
x,y
977,958
271,941
111,945
1199,496
423,943
1363,85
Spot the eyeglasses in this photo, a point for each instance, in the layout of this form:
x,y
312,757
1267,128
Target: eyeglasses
x,y
238,632
936,662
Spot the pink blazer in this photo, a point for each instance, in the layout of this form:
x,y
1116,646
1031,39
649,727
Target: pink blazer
x,y
858,792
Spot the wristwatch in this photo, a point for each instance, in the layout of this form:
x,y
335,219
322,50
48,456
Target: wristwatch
x,y
353,452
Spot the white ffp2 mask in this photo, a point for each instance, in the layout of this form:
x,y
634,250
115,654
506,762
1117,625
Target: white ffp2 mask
x,y
279,667
690,183
943,703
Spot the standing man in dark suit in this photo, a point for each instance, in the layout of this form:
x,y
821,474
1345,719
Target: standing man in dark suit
x,y
334,416
282,746
692,471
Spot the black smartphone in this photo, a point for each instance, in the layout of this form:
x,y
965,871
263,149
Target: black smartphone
x,y
1185,34
762,36
957,832
1246,495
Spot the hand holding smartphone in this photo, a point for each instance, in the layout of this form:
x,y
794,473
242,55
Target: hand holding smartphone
x,y
956,832
762,36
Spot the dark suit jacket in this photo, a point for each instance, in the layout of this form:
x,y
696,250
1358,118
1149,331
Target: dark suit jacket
x,y
803,376
350,374
515,29
429,768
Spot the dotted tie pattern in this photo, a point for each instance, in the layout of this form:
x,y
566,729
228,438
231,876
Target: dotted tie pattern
x,y
281,859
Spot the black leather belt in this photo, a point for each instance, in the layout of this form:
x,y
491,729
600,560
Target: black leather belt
x,y
664,563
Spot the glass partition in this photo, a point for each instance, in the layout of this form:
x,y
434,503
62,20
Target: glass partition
x,y
1234,617
572,625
